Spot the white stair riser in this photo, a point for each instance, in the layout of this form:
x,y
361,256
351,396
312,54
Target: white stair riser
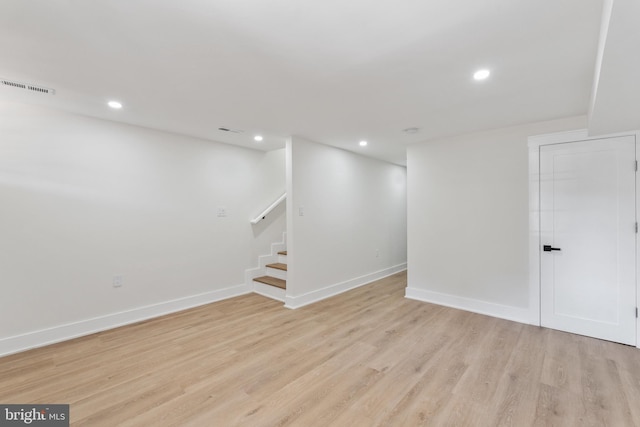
x,y
282,259
263,260
274,272
269,291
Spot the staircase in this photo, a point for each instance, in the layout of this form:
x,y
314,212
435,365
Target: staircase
x,y
276,272
270,278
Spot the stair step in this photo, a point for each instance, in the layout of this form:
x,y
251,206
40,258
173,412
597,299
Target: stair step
x,y
268,280
278,266
282,253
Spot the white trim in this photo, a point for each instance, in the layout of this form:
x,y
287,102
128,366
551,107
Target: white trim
x,y
338,288
69,331
515,314
557,138
572,136
291,266
535,142
534,232
637,134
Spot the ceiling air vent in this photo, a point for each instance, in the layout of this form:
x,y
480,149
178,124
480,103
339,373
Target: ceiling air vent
x,y
231,130
26,86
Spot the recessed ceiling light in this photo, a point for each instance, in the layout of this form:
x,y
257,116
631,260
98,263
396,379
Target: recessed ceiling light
x,y
363,143
258,138
115,105
481,74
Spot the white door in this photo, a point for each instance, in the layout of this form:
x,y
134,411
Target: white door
x,y
588,238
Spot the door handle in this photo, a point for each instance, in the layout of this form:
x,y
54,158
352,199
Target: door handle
x,y
548,248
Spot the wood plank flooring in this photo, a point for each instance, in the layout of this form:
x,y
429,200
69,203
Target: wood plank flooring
x,y
368,357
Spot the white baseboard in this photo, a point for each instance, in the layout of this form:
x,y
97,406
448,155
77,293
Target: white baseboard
x,y
338,288
516,314
69,331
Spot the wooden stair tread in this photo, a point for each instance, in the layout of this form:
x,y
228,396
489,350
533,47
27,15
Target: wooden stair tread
x,y
282,253
278,265
273,281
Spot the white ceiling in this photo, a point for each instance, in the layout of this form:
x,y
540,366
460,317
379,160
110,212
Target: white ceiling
x,y
333,71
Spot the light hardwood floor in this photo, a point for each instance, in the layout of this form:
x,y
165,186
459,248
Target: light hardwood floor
x,y
365,358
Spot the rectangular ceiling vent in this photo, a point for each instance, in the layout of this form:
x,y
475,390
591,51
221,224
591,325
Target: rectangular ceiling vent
x,y
231,130
26,86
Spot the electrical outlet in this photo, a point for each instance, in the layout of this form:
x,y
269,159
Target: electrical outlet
x,y
118,281
377,253
222,212
300,211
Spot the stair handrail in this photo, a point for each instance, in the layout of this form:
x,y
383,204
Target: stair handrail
x,y
271,207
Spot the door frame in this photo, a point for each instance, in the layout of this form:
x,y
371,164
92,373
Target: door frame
x,y
534,143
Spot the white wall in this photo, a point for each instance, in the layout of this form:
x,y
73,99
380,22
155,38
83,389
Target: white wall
x,y
354,225
84,200
614,99
468,219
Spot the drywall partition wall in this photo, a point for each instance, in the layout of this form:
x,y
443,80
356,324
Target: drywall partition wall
x,y
87,204
615,93
346,222
468,220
